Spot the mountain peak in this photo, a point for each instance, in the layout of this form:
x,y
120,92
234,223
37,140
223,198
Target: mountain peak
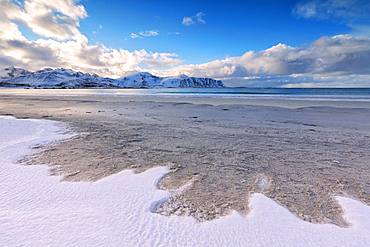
x,y
67,78
13,72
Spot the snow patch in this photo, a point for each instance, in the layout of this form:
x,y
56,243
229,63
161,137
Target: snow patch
x,y
40,210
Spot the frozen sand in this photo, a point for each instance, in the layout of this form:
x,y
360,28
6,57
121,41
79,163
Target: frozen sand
x,y
39,210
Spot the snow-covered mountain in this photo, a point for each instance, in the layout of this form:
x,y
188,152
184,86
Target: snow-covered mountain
x,y
139,80
186,81
147,80
53,78
11,72
66,78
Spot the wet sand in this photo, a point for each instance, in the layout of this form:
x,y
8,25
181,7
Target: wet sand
x,y
298,153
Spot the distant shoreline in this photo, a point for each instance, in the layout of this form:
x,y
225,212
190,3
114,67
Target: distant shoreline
x,y
290,98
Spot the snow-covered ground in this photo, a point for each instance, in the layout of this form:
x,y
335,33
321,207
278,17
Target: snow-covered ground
x,y
39,210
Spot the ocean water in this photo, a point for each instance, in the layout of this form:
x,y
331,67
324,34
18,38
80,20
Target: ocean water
x,y
351,94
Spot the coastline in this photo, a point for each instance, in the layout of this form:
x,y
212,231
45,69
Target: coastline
x,y
160,95
303,157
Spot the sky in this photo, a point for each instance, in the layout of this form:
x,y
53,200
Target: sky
x,y
304,43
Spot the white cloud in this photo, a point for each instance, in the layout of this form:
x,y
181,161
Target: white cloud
x,y
353,13
197,18
327,60
149,33
341,60
58,19
61,44
134,36
187,21
325,9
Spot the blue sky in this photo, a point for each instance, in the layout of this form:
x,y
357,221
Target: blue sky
x,y
231,27
303,43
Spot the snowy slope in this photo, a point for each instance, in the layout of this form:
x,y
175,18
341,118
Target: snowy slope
x,y
139,80
55,78
66,78
185,81
147,80
11,72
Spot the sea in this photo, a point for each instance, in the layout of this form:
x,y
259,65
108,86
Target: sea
x,y
351,94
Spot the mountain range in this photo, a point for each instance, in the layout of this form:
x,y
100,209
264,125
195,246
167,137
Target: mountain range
x,y
67,78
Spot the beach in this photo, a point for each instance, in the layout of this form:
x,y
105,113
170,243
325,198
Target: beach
x,y
184,123
250,164
38,209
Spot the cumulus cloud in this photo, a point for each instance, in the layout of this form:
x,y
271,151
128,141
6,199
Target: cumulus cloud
x,y
341,60
150,33
191,20
61,44
58,19
333,59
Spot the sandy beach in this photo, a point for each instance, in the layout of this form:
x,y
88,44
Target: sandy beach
x,y
119,210
221,153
